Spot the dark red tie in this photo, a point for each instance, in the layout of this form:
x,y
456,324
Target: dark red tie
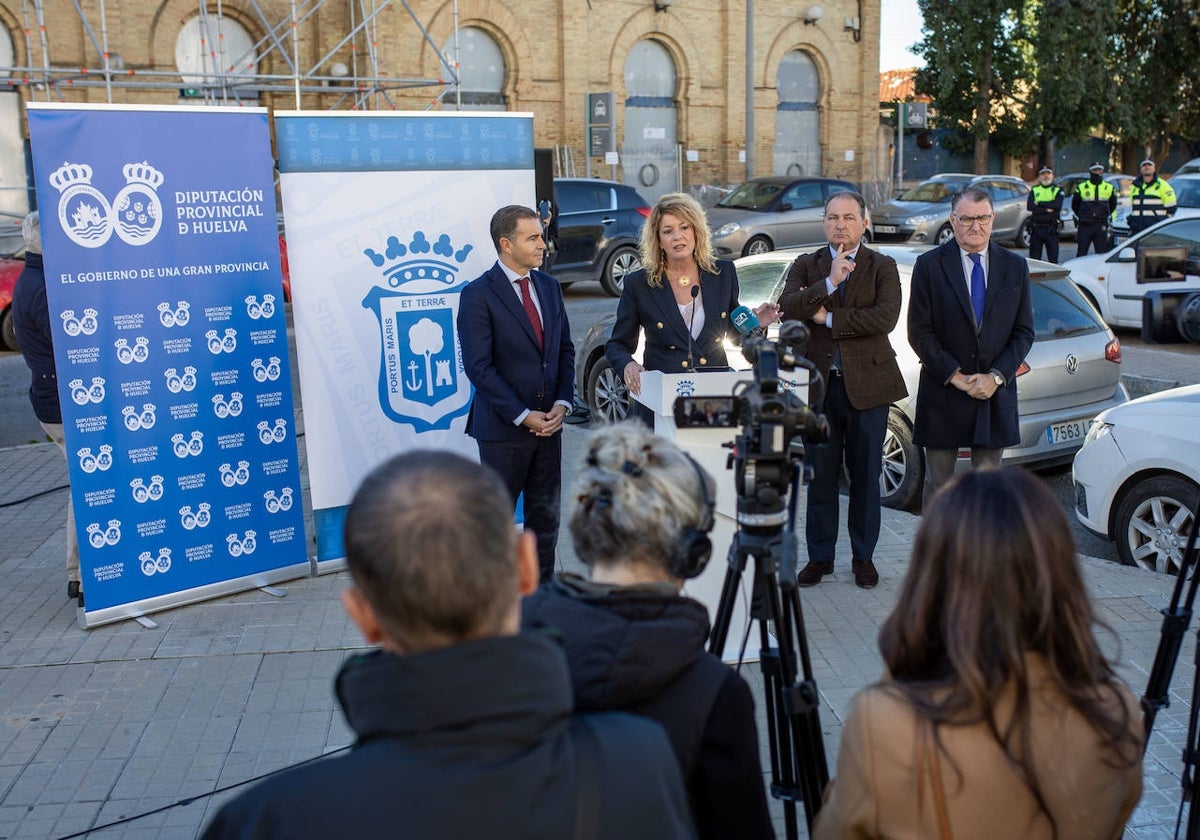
x,y
531,310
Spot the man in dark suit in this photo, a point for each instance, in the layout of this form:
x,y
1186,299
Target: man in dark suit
x,y
517,351
850,295
971,322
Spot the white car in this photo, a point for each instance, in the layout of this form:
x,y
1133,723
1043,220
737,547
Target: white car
x,y
1137,477
1110,281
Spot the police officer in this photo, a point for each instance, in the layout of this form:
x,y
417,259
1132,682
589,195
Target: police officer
x,y
1045,202
1093,204
1151,199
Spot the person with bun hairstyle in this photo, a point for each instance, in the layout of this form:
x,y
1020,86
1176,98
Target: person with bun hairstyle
x,y
999,715
640,517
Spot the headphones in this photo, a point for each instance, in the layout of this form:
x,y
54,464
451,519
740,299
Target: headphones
x,y
692,549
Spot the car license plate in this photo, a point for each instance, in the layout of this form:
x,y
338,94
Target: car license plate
x,y
1072,432
885,228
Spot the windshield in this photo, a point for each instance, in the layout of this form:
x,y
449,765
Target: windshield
x,y
752,195
934,192
1187,192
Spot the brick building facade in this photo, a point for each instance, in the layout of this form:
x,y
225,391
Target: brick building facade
x,y
552,54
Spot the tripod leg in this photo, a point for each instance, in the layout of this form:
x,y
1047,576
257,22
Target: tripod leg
x,y
736,564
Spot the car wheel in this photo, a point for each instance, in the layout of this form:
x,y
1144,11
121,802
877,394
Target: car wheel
x,y
944,235
8,331
1153,521
903,473
1023,236
757,245
624,260
606,394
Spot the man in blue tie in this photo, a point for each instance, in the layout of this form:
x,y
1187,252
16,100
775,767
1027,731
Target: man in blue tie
x,y
971,323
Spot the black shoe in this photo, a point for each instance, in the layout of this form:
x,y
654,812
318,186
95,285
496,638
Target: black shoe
x,y
72,589
865,575
811,574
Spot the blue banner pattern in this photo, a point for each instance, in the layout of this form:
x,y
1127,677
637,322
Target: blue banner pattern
x,y
163,279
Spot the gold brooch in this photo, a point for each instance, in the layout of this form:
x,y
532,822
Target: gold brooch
x,y
683,281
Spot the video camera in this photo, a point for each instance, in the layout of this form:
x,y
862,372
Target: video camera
x,y
775,422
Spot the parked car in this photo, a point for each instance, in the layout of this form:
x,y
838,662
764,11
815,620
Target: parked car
x,y
1137,477
763,214
10,269
921,215
1070,375
599,227
1187,202
1192,167
1069,226
1110,281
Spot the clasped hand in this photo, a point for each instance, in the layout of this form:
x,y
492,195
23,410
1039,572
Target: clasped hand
x,y
981,386
545,423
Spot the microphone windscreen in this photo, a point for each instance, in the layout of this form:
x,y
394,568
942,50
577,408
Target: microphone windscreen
x,y
695,292
744,321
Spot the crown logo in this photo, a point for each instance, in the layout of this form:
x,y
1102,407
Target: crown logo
x,y
685,387
69,175
441,265
142,173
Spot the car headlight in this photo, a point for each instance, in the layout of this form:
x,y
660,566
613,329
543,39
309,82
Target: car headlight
x,y
1098,430
919,220
727,229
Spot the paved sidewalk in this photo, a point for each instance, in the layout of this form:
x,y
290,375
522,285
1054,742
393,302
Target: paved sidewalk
x,y
102,725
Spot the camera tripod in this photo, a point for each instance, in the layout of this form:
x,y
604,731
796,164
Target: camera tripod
x,y
1176,617
766,532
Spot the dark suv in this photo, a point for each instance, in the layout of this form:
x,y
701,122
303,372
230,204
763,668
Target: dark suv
x,y
599,227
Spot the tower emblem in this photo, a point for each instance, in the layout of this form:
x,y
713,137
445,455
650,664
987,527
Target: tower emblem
x,y
89,220
421,377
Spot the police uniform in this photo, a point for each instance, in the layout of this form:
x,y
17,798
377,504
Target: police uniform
x,y
1093,204
1150,202
1045,202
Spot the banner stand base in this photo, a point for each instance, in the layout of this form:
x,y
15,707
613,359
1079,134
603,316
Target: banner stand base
x,y
146,621
274,591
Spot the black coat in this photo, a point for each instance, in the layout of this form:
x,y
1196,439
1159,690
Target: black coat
x,y
474,740
941,329
641,649
643,307
31,318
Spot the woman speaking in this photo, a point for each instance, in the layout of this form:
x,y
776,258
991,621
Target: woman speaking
x,y
682,297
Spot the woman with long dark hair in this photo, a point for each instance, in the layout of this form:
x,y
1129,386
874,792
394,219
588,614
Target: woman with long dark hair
x,y
999,716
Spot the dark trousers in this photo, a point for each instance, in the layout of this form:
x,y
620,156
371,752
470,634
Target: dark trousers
x,y
1092,234
855,438
940,465
1040,235
533,467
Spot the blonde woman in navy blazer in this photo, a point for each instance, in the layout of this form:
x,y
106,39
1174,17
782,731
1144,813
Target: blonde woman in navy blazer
x,y
677,258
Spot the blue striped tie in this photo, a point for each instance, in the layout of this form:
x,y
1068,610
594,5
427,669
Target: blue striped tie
x,y
978,289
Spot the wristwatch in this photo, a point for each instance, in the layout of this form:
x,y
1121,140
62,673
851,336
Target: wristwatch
x,y
998,379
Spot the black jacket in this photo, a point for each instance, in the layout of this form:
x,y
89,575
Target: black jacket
x,y
641,649
31,317
474,740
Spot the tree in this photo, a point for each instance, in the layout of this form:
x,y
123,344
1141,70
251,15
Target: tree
x,y
975,63
1073,53
1156,44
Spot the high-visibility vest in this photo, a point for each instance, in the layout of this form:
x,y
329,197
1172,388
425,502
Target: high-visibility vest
x,y
1094,201
1150,202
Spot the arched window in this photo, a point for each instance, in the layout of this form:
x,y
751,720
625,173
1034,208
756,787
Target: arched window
x,y
797,120
482,71
213,50
14,189
648,154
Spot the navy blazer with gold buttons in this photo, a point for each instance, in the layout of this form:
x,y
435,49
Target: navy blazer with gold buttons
x,y
654,310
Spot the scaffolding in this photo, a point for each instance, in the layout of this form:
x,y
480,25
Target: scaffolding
x,y
225,79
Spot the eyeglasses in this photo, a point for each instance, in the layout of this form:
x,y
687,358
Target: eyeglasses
x,y
967,221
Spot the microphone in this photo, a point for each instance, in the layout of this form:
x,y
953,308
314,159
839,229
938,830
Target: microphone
x,y
695,294
746,322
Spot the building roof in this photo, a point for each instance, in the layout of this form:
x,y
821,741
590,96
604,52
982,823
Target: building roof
x,y
898,85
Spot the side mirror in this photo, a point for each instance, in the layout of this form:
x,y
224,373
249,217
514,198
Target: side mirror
x,y
1126,255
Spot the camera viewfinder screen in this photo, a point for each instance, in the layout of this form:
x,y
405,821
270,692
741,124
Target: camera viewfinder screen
x,y
701,412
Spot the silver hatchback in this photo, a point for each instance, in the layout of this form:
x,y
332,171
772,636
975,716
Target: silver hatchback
x,y
921,215
1071,374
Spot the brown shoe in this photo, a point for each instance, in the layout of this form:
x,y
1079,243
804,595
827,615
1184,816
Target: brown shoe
x,y
811,574
865,576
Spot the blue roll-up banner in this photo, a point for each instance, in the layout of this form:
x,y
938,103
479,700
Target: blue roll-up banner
x,y
162,262
387,218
